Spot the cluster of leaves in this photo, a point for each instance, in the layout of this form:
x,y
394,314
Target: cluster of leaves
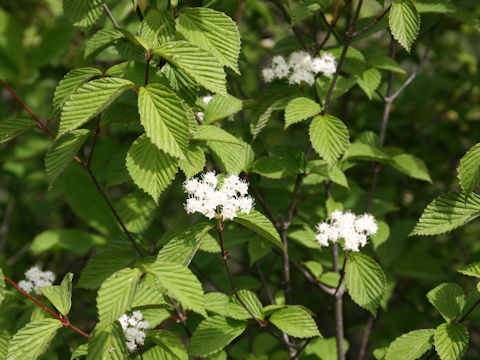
x,y
132,107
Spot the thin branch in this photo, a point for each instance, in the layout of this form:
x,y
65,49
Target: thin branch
x,y
338,310
110,15
95,137
264,205
64,320
366,335
342,273
180,316
265,284
469,311
238,14
375,22
149,57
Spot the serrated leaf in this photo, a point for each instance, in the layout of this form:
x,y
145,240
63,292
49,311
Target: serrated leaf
x,y
214,133
343,85
412,166
448,299
274,167
89,100
157,28
136,212
60,296
451,341
170,343
251,301
83,13
366,152
214,334
329,137
295,321
220,107
181,248
164,118
4,340
107,343
32,340
81,350
62,152
101,40
410,346
404,22
135,72
260,224
11,128
472,269
469,170
369,81
366,282
79,242
151,169
196,62
70,83
116,295
180,283
181,83
195,161
299,109
232,158
213,31
446,213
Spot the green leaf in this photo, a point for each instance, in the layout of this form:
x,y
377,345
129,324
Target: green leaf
x,y
2,287
102,39
157,28
221,107
70,83
135,72
89,100
183,244
170,343
232,158
343,85
412,166
151,169
116,295
404,22
11,128
329,137
81,350
214,334
181,83
251,301
469,170
369,81
195,161
366,282
60,296
214,133
4,340
306,8
196,62
472,269
258,223
107,343
274,167
325,349
32,340
299,109
448,299
62,152
180,283
410,346
331,172
83,13
295,321
257,249
451,341
148,293
366,152
446,213
164,118
213,31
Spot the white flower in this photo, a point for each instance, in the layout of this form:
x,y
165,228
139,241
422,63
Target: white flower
x,y
268,75
134,329
200,115
366,224
26,286
206,99
35,279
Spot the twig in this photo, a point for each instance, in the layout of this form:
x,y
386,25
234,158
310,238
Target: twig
x,y
469,311
148,67
95,137
180,316
265,207
238,14
375,22
338,310
366,335
110,15
264,283
342,273
64,320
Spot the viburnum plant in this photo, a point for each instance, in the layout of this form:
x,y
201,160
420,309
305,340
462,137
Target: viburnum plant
x,y
223,200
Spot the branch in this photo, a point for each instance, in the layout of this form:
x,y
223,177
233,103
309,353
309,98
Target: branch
x,y
110,15
64,320
95,137
375,22
338,310
264,205
180,316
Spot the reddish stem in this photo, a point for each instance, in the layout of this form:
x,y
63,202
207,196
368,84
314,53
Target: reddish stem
x,y
65,320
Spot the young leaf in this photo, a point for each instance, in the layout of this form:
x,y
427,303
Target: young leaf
x,y
107,343
99,41
251,300
11,128
369,81
410,346
170,343
365,280
214,334
60,296
404,22
258,223
221,107
214,133
83,13
446,213
164,118
472,269
451,341
299,109
151,169
448,299
469,170
213,31
196,62
295,321
116,295
183,245
157,28
329,137
180,283
232,158
62,152
89,100
32,340
70,83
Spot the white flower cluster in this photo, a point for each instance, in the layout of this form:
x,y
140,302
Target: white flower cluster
x,y
213,197
35,279
134,329
346,226
300,67
206,99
